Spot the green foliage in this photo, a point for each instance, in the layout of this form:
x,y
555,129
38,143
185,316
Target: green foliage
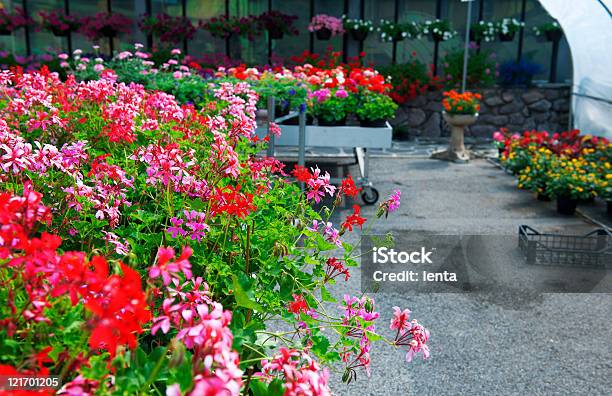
x,y
482,69
375,107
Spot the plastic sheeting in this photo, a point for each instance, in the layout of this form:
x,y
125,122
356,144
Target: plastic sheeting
x,y
587,25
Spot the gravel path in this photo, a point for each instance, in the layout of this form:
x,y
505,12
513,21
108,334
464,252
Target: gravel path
x,y
493,344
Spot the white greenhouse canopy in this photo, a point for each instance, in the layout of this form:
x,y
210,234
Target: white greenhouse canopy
x,y
587,25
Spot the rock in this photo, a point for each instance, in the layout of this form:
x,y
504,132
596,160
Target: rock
x,y
541,117
508,96
493,101
497,120
482,130
532,96
512,107
516,119
434,106
540,106
561,105
433,127
552,93
525,112
419,101
411,117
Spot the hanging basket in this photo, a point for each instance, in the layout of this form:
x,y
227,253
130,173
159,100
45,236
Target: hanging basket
x,y
553,35
323,34
506,36
359,35
276,33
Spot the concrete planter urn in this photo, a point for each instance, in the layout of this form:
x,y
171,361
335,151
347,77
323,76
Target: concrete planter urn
x,y
456,150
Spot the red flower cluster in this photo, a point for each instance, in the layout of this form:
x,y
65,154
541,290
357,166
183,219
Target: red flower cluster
x,y
117,302
354,219
334,268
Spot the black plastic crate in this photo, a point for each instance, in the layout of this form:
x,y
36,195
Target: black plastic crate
x,y
593,250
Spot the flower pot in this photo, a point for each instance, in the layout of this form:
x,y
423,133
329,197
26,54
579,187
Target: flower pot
x,y
60,33
543,197
275,33
323,122
553,35
398,37
506,36
380,123
359,35
296,120
108,31
566,205
323,34
588,200
437,37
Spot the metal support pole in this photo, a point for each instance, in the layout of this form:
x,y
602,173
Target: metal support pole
x,y
519,53
466,53
69,37
302,137
271,118
24,6
553,61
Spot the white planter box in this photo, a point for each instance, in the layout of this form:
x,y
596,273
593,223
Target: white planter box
x,y
340,136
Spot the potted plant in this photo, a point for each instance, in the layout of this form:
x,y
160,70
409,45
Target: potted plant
x,y
325,26
460,110
533,177
167,28
391,31
59,23
331,107
507,28
105,25
551,31
569,182
219,27
11,21
483,31
519,73
439,30
277,24
374,109
358,28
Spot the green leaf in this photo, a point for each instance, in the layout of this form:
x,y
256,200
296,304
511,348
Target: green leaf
x,y
242,298
326,296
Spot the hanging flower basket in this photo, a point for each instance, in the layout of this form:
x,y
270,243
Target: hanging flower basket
x,y
323,34
275,33
359,35
506,36
553,35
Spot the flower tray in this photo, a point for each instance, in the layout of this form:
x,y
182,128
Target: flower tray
x,y
337,136
593,250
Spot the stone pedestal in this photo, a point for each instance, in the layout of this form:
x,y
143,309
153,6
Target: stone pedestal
x,y
456,151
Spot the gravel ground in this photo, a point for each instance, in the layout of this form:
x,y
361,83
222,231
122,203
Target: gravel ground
x,y
504,343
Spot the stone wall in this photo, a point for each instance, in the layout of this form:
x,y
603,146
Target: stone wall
x,y
518,109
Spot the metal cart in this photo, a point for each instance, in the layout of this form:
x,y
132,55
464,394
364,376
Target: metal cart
x,y
302,135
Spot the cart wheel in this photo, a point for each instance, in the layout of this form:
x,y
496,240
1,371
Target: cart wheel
x,y
370,195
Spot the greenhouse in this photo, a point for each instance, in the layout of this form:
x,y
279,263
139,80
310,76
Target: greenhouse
x,y
305,197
